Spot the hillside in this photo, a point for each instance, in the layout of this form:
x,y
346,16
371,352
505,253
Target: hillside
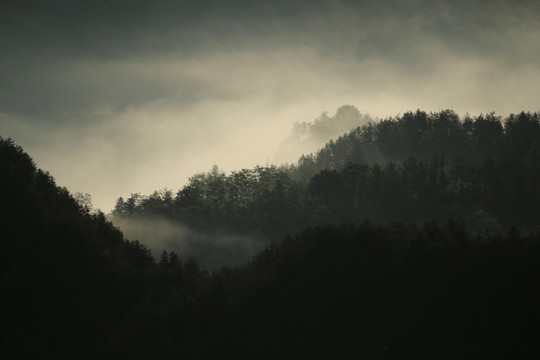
x,y
481,171
67,276
74,287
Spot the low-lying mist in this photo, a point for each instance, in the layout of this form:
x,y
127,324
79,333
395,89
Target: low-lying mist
x,y
212,250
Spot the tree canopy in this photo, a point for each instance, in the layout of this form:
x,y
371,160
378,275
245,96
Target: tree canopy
x,y
482,171
412,238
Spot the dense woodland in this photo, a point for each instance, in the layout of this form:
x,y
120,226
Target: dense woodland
x,y
483,172
414,237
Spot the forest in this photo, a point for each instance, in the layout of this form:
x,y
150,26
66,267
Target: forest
x,y
483,172
412,237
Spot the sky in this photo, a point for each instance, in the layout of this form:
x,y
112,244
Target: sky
x,y
120,97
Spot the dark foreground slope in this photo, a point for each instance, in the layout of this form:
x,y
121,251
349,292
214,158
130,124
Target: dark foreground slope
x,y
352,292
67,277
383,292
74,288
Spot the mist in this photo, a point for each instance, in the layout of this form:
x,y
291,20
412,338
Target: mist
x,y
115,99
212,250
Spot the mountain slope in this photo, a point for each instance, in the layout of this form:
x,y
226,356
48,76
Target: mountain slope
x,y
73,287
66,274
482,171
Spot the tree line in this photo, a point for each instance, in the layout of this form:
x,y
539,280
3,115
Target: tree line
x,y
422,135
482,171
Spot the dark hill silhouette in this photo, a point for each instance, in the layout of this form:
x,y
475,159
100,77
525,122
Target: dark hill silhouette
x,y
67,275
394,292
73,287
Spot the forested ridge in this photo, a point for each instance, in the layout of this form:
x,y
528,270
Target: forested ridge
x,y
483,171
415,237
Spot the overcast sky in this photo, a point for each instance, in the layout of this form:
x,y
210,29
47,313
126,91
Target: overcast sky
x,y
117,97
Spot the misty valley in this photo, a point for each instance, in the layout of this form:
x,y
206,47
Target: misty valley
x,y
409,237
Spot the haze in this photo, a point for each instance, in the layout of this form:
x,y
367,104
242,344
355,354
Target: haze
x,y
121,97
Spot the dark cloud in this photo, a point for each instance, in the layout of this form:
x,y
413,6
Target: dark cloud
x,y
124,28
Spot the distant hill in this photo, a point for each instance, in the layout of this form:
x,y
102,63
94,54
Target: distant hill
x,y
422,135
483,171
308,137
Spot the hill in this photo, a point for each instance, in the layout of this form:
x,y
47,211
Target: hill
x,y
67,275
483,172
74,287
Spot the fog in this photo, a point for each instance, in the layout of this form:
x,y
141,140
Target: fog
x,y
211,249
115,98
